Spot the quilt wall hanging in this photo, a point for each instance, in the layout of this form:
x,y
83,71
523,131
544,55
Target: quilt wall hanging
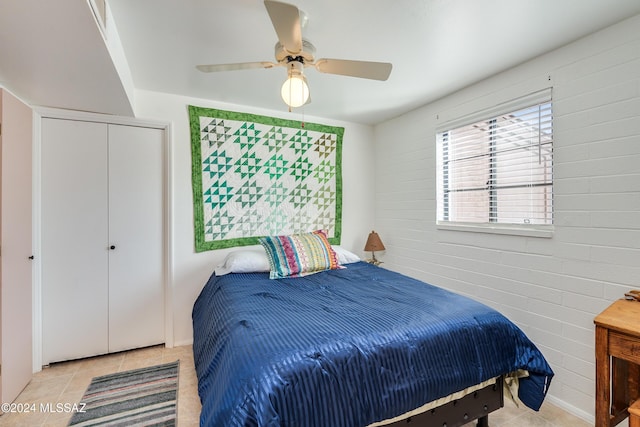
x,y
257,176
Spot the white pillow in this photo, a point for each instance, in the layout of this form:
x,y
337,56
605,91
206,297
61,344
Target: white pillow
x,y
344,256
244,261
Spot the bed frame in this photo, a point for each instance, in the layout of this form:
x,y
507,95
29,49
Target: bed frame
x,y
473,406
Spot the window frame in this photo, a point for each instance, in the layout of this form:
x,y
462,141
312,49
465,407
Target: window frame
x,y
489,115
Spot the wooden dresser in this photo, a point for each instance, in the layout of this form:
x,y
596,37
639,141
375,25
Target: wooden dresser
x,y
617,361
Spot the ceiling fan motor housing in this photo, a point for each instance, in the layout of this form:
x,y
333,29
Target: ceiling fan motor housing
x,y
305,56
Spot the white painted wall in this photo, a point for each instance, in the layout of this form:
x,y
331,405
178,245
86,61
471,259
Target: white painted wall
x,y
190,269
551,287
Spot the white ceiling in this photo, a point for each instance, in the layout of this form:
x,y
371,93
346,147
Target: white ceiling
x,y
52,54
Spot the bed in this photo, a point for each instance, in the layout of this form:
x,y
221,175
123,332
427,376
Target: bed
x,y
352,347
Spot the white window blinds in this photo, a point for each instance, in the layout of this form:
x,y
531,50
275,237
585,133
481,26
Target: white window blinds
x,y
498,170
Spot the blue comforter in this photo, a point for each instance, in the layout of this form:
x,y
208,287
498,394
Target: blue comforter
x,y
346,348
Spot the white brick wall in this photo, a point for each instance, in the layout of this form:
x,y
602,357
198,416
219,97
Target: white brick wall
x,y
551,287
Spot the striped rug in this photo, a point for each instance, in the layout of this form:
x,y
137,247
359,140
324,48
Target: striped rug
x,y
142,397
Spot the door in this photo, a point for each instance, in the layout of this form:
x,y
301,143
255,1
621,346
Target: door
x,y
136,280
16,354
102,238
75,250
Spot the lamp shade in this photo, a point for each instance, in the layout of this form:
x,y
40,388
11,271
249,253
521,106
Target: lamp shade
x,y
374,243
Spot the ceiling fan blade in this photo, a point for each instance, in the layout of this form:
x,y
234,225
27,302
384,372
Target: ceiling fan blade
x,y
232,67
362,69
286,21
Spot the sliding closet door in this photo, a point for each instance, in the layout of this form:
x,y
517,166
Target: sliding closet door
x,y
136,285
74,239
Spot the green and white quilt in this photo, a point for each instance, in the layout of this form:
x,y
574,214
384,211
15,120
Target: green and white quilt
x,y
257,176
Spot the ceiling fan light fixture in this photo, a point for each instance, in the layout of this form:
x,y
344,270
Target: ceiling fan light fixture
x,y
296,53
295,90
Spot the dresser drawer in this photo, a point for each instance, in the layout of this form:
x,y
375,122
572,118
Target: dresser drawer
x,y
624,347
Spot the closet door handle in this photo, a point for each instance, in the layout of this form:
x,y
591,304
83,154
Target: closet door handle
x,y
112,247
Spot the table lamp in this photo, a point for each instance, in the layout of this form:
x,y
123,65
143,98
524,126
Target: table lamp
x,y
374,244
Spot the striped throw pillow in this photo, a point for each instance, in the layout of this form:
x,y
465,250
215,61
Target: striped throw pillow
x,y
299,255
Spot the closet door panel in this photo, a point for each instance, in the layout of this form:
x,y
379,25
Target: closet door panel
x,y
136,285
15,234
74,239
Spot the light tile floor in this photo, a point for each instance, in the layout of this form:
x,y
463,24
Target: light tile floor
x,y
66,382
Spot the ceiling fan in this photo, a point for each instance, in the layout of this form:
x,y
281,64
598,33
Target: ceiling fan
x,y
296,53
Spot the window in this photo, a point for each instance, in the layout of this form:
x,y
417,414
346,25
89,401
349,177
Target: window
x,y
498,170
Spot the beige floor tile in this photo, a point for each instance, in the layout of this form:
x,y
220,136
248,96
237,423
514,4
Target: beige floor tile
x,y
55,371
30,419
44,391
182,353
559,417
154,352
133,363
